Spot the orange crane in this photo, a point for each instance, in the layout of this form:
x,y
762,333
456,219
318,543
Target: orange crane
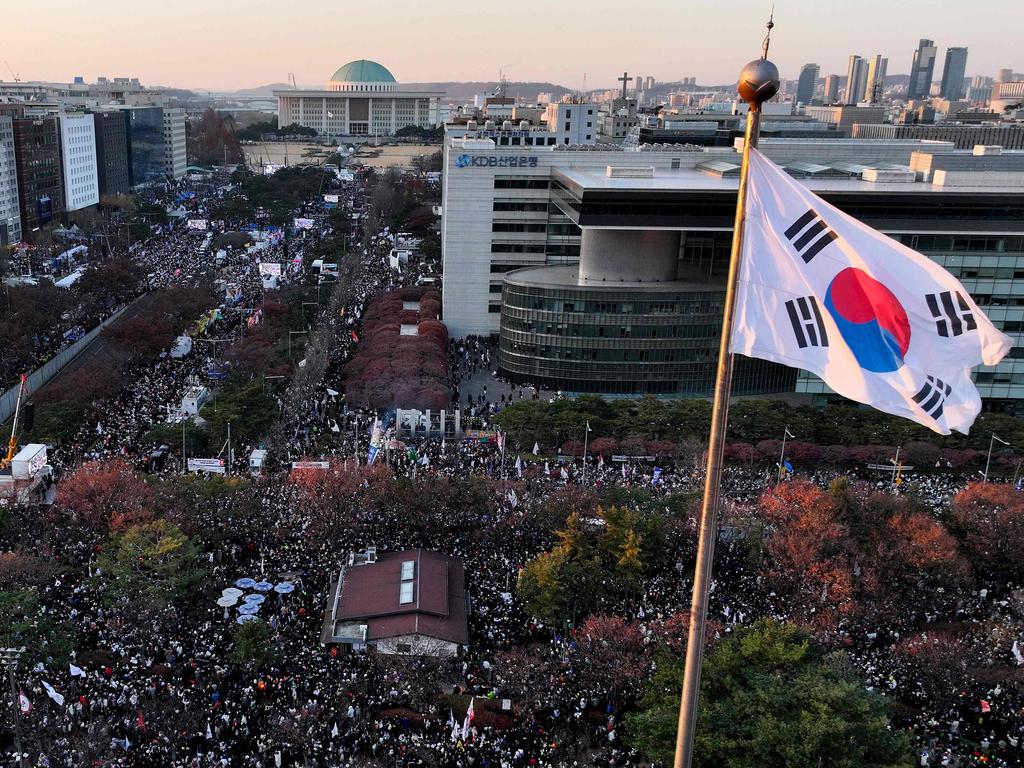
x,y
12,444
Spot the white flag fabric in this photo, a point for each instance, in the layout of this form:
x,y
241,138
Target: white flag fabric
x,y
57,697
536,449
76,671
879,323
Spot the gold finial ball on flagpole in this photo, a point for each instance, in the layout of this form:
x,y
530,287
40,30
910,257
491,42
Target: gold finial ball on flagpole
x,y
758,82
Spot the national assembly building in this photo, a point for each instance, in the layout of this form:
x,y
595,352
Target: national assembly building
x,y
603,270
362,99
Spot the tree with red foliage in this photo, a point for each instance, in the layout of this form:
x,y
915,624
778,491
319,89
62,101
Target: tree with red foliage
x,y
609,657
604,446
741,452
665,449
573,448
850,551
105,494
988,518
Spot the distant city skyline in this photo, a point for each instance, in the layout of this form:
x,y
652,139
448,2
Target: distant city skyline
x,y
235,44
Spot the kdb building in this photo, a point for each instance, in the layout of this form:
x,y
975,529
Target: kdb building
x,y
603,270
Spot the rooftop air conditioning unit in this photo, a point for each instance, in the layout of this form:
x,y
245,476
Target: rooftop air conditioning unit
x,y
615,172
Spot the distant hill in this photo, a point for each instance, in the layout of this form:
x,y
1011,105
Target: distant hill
x,y
458,91
264,90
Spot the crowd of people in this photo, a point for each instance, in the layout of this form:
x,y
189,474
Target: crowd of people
x,y
162,684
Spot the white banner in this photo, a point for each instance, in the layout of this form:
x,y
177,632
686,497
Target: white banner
x,y
310,465
268,268
206,465
200,224
330,198
304,223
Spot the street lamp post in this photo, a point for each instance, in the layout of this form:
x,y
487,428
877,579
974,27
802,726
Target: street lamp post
x,y
991,442
9,656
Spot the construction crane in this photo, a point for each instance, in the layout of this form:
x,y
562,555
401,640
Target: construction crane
x,y
291,79
11,70
12,444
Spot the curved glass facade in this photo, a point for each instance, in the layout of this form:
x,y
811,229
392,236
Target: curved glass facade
x,y
620,340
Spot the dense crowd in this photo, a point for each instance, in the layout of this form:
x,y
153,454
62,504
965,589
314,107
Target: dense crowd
x,y
160,685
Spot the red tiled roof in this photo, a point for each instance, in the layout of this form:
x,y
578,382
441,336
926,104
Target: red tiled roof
x,y
370,594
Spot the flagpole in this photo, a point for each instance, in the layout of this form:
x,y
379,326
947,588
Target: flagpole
x,y
586,438
782,456
758,82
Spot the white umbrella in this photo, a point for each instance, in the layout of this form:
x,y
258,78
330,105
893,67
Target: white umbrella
x,y
227,601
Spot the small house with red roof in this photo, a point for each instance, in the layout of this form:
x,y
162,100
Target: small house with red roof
x,y
412,602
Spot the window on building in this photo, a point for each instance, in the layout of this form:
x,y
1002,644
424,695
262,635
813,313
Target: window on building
x,y
403,647
405,593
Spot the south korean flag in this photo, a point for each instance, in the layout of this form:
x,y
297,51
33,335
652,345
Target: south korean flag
x,y
880,323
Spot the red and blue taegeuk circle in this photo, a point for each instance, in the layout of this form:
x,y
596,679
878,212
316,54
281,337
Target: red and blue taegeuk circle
x,y
870,319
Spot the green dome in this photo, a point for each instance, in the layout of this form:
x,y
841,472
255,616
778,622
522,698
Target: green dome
x,y
362,71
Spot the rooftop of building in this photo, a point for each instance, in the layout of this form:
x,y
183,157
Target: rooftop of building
x,y
835,177
402,593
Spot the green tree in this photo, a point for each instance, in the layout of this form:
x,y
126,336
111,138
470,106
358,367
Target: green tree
x,y
771,698
154,562
23,622
245,406
254,642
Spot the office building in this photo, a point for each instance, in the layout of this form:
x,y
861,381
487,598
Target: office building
x,y
962,136
566,122
806,83
361,99
40,180
113,163
1007,96
1004,76
874,82
649,83
830,94
78,161
846,115
602,269
922,70
156,144
953,74
146,145
10,215
856,73
175,160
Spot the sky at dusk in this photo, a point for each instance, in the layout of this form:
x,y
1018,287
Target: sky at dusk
x,y
230,44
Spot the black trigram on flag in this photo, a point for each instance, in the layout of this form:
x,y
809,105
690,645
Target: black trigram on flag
x,y
807,324
952,313
809,240
933,396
